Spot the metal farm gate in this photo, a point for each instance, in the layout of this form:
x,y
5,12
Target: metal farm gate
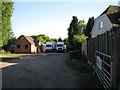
x,y
103,69
103,54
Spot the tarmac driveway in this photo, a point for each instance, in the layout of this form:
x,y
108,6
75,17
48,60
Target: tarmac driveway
x,y
47,70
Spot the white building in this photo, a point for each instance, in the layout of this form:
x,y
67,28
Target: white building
x,y
109,18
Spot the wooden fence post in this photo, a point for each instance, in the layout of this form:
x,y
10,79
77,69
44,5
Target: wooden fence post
x,y
107,43
118,58
114,62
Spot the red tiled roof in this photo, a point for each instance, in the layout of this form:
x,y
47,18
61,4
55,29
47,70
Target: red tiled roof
x,y
30,39
111,9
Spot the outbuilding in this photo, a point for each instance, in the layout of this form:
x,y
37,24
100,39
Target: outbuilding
x,y
26,44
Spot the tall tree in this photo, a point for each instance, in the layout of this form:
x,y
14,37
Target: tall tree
x,y
6,12
89,27
60,39
82,26
10,44
46,38
0,24
66,43
54,39
43,38
73,29
75,33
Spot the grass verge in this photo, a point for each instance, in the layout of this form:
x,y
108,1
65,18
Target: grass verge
x,y
79,66
86,79
8,57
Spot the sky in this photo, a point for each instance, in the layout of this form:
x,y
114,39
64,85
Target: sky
x,y
52,18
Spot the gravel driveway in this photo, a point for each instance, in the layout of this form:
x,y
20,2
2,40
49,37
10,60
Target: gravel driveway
x,y
47,70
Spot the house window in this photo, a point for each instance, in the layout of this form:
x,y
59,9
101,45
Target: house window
x,y
18,46
101,24
26,46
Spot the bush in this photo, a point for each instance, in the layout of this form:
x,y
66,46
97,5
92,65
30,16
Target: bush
x,y
75,54
5,52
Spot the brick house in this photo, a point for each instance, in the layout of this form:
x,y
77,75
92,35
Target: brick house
x,y
26,44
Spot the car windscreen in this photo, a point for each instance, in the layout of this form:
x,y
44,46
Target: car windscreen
x,y
59,45
48,45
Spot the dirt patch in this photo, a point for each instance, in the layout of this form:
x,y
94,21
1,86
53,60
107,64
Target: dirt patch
x,y
39,71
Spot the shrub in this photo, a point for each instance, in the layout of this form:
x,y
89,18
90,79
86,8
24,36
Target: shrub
x,y
75,54
6,52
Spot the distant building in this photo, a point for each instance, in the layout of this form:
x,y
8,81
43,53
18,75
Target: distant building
x,y
26,44
109,18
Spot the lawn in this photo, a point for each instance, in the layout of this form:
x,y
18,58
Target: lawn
x,y
8,57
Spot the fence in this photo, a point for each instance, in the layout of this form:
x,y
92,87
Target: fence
x,y
84,47
103,53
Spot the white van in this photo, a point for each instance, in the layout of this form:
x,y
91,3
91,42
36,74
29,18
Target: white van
x,y
50,46
60,46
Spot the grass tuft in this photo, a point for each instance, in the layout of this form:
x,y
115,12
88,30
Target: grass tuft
x,y
79,66
86,79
